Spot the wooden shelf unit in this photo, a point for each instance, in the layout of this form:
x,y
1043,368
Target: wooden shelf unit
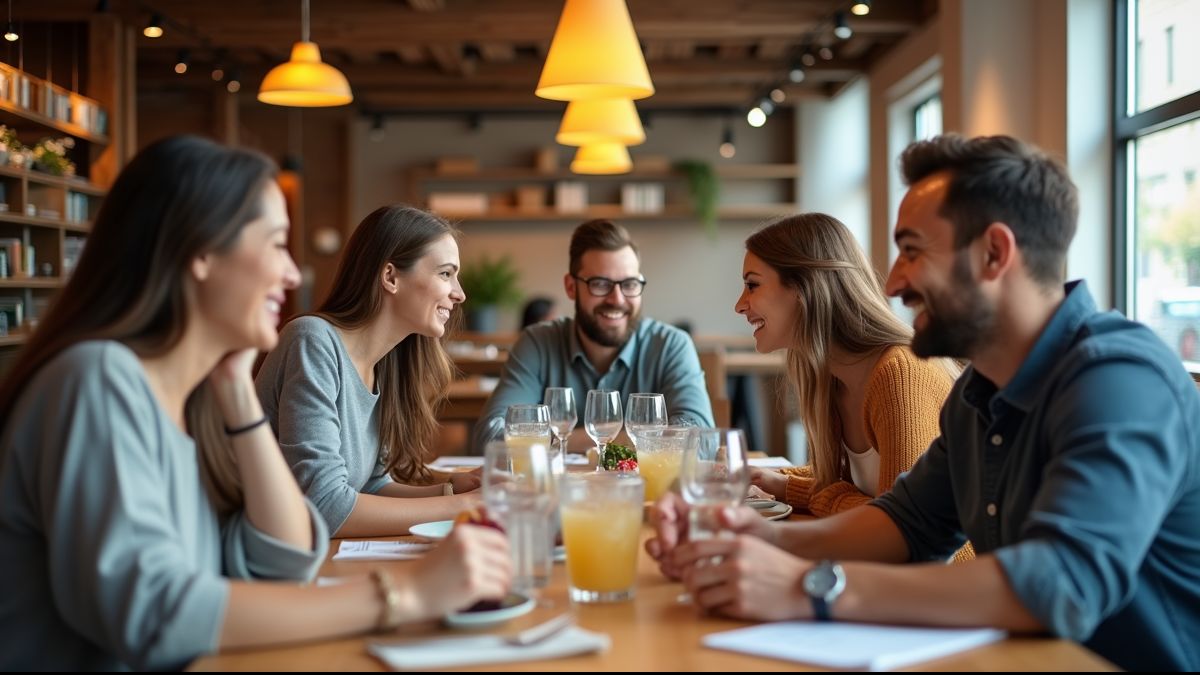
x,y
52,214
502,179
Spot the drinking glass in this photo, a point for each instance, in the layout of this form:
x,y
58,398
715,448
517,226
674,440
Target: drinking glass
x,y
526,425
660,454
602,523
563,416
714,474
644,412
602,419
519,492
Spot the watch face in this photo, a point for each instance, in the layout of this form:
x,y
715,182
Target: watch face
x,y
820,580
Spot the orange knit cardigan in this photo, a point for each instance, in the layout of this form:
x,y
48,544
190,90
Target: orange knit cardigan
x,y
903,401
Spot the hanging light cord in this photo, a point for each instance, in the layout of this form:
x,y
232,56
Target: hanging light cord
x,y
303,19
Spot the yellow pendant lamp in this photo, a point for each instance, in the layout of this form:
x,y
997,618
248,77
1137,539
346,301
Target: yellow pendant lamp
x,y
607,157
305,81
603,119
594,54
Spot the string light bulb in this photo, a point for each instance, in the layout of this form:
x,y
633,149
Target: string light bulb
x,y
11,33
727,149
154,28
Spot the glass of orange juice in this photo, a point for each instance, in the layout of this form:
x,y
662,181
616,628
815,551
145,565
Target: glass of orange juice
x,y
602,523
660,454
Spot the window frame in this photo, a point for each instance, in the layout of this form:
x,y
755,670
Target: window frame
x,y
1128,128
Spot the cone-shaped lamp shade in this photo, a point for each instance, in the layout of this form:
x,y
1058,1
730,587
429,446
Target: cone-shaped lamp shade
x,y
604,119
602,158
594,54
305,82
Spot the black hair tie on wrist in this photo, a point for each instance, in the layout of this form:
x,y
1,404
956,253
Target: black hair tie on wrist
x,y
241,430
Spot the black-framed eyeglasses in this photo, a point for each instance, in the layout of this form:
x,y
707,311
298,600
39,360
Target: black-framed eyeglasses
x,y
602,286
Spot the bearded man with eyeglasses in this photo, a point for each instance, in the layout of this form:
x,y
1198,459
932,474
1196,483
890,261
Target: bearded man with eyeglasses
x,y
608,344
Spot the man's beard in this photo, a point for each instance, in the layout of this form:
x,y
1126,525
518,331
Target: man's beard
x,y
959,322
605,337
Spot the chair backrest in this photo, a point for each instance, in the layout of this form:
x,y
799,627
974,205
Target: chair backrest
x,y
712,361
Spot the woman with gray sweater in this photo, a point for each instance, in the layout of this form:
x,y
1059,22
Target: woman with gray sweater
x,y
141,490
352,390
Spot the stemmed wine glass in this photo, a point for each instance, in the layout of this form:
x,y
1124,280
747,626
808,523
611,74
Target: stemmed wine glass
x,y
644,412
602,419
563,416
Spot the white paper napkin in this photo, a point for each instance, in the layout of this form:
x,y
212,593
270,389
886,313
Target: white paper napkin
x,y
481,649
381,550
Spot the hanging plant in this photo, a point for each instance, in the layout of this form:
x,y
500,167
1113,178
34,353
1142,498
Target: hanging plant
x,y
704,188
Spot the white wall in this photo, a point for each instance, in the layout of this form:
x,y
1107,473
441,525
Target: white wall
x,y
1089,142
690,276
833,138
1039,70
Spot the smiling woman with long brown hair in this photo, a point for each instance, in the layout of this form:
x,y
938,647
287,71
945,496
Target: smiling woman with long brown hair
x,y
869,406
139,482
352,389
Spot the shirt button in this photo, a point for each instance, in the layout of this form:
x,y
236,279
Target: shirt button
x,y
997,439
991,509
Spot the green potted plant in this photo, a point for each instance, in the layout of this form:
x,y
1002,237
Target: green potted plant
x,y
704,188
489,284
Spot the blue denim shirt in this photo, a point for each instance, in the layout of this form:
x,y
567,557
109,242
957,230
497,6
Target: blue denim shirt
x,y
1082,477
657,358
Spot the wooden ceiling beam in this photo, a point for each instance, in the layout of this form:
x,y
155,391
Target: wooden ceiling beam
x,y
520,74
703,97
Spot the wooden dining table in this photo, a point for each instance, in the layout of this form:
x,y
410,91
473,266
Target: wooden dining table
x,y
653,632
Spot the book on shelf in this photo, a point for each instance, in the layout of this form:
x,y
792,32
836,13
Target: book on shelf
x,y
14,255
77,207
13,310
72,248
458,202
570,196
642,197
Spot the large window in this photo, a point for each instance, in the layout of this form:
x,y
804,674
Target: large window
x,y
1157,160
927,118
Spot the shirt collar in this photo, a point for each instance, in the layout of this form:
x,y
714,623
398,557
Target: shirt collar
x,y
1060,333
628,351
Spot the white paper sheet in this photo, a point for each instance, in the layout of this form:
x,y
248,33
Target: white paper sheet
x,y
381,550
852,646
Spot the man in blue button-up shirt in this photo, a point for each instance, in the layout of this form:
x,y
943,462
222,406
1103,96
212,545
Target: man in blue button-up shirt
x,y
1069,455
607,345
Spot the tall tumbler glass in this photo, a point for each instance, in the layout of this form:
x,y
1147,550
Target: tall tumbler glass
x,y
526,425
519,492
714,474
602,523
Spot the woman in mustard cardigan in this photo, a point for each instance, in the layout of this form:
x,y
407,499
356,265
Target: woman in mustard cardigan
x,y
869,406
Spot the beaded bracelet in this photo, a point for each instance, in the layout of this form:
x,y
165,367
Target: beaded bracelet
x,y
389,617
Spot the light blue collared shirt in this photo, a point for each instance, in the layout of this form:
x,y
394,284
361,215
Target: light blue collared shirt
x,y
658,358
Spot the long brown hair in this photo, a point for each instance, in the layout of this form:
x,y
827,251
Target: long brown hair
x,y
841,303
413,377
180,198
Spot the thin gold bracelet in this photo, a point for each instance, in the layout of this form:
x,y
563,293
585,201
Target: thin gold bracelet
x,y
389,617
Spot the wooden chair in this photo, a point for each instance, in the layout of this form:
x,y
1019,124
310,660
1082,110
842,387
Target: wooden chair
x,y
712,361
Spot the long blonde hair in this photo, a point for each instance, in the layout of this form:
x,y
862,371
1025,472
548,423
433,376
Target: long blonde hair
x,y
415,375
840,303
